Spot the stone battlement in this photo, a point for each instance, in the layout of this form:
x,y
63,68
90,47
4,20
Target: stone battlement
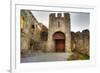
x,y
59,15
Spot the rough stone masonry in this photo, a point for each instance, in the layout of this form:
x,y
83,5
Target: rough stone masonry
x,y
57,26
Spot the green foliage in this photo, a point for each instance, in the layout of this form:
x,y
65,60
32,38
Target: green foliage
x,y
78,56
84,57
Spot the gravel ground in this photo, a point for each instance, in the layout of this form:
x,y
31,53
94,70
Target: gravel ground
x,y
45,57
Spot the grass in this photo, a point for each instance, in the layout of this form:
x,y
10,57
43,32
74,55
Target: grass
x,y
78,56
83,57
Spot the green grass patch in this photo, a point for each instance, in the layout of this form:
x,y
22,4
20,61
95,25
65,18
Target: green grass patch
x,y
78,56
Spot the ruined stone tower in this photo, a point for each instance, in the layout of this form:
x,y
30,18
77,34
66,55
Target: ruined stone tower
x,y
59,34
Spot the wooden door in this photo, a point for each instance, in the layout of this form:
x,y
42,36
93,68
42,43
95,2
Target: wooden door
x,y
60,45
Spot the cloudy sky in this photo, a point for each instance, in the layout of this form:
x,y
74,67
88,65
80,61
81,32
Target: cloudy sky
x,y
79,21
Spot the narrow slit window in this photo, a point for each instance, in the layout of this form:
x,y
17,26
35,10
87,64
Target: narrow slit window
x,y
58,24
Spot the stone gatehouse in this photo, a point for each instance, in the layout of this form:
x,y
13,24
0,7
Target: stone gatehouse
x,y
59,33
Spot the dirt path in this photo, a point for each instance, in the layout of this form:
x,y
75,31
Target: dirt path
x,y
45,57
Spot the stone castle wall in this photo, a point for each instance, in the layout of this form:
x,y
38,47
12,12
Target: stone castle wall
x,y
30,31
80,42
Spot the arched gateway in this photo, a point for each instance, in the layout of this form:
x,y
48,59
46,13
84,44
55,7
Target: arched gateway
x,y
59,40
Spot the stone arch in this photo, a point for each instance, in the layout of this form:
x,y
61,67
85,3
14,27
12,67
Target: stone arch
x,y
59,40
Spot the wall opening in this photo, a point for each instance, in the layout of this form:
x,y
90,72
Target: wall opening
x,y
59,39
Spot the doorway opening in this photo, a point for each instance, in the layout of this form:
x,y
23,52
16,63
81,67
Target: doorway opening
x,y
59,39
